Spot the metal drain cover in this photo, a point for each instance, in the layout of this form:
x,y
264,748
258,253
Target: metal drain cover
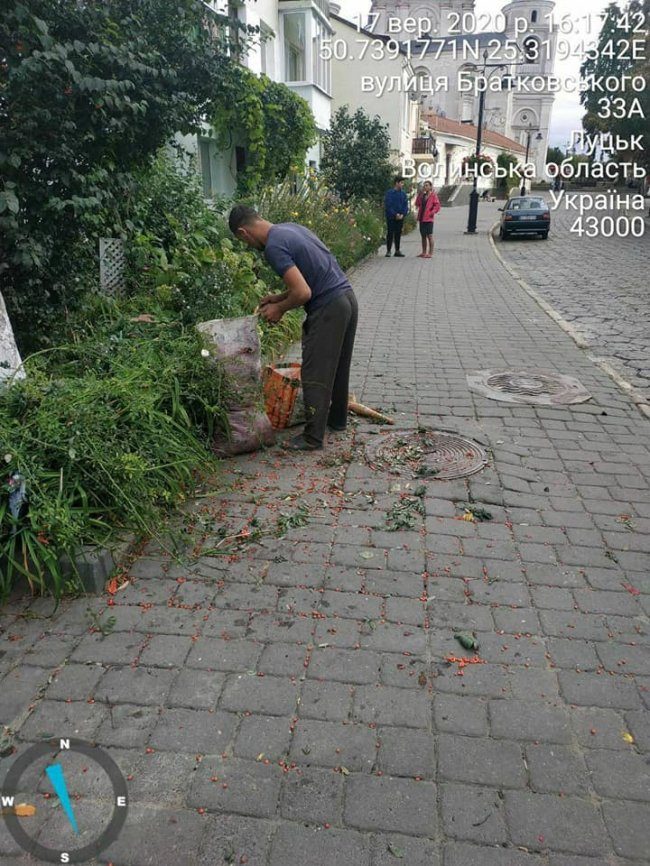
x,y
427,454
531,387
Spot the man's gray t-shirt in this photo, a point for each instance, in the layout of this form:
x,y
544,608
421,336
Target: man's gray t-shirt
x,y
289,244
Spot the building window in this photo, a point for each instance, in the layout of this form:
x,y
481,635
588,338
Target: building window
x,y
533,16
206,148
240,160
267,49
320,66
294,46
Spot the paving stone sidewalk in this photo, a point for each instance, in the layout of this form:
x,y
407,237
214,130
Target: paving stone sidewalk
x,y
599,285
291,703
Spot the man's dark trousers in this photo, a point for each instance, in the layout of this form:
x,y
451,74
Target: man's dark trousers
x,y
394,233
327,344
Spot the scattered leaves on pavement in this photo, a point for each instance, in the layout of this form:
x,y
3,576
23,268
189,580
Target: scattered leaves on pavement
x,y
404,512
467,641
477,512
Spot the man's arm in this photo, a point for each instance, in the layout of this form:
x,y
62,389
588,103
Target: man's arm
x,y
272,299
297,294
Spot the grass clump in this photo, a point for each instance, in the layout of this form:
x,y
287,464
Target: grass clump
x,y
107,434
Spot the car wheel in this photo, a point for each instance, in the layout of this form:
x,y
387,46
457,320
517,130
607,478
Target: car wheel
x,y
544,236
503,235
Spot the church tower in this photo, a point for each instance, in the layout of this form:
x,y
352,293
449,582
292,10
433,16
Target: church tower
x,y
523,115
437,11
529,23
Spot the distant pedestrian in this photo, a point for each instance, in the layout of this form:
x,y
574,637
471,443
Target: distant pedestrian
x,y
314,279
427,204
396,205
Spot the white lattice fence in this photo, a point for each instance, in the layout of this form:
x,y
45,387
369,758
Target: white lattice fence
x,y
112,265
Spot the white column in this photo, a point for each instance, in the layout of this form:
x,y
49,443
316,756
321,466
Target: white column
x,y
10,361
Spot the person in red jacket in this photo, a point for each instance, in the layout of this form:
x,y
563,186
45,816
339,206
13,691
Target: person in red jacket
x,y
427,205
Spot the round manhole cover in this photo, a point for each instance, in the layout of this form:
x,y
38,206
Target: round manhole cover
x,y
427,454
537,387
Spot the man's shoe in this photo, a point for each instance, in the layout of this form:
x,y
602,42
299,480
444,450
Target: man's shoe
x,y
388,254
399,255
299,443
336,429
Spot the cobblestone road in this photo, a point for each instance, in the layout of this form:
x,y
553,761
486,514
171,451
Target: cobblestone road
x,y
599,285
293,704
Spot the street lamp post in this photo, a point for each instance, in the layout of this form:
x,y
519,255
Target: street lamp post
x,y
540,137
473,198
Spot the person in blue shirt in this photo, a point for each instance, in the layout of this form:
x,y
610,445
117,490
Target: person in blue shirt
x,y
314,280
396,205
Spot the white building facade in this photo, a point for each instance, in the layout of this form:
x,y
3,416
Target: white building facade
x,y
522,36
397,108
287,50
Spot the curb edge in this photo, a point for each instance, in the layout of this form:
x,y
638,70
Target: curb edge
x,y
638,399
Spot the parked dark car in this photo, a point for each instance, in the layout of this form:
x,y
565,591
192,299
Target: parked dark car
x,y
527,214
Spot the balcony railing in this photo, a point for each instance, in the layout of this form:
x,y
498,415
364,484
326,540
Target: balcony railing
x,y
423,145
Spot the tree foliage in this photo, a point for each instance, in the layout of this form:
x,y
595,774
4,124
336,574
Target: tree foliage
x,y
554,156
289,129
619,32
89,93
273,123
507,161
356,155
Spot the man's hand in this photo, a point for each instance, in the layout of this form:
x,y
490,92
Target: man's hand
x,y
269,299
399,216
271,313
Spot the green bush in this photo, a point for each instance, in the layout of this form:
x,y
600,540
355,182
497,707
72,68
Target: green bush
x,y
90,92
107,434
183,257
351,230
356,155
179,250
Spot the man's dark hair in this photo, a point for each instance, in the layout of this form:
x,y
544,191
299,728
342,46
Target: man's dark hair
x,y
398,179
242,215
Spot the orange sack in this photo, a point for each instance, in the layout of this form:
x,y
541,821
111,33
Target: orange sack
x,y
281,388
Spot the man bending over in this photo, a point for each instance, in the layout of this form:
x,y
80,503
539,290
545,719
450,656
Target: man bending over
x,y
314,280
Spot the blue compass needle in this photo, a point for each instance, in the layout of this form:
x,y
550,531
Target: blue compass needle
x,y
55,775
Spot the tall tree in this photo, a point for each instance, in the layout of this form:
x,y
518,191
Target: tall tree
x,y
615,56
356,155
554,156
88,93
